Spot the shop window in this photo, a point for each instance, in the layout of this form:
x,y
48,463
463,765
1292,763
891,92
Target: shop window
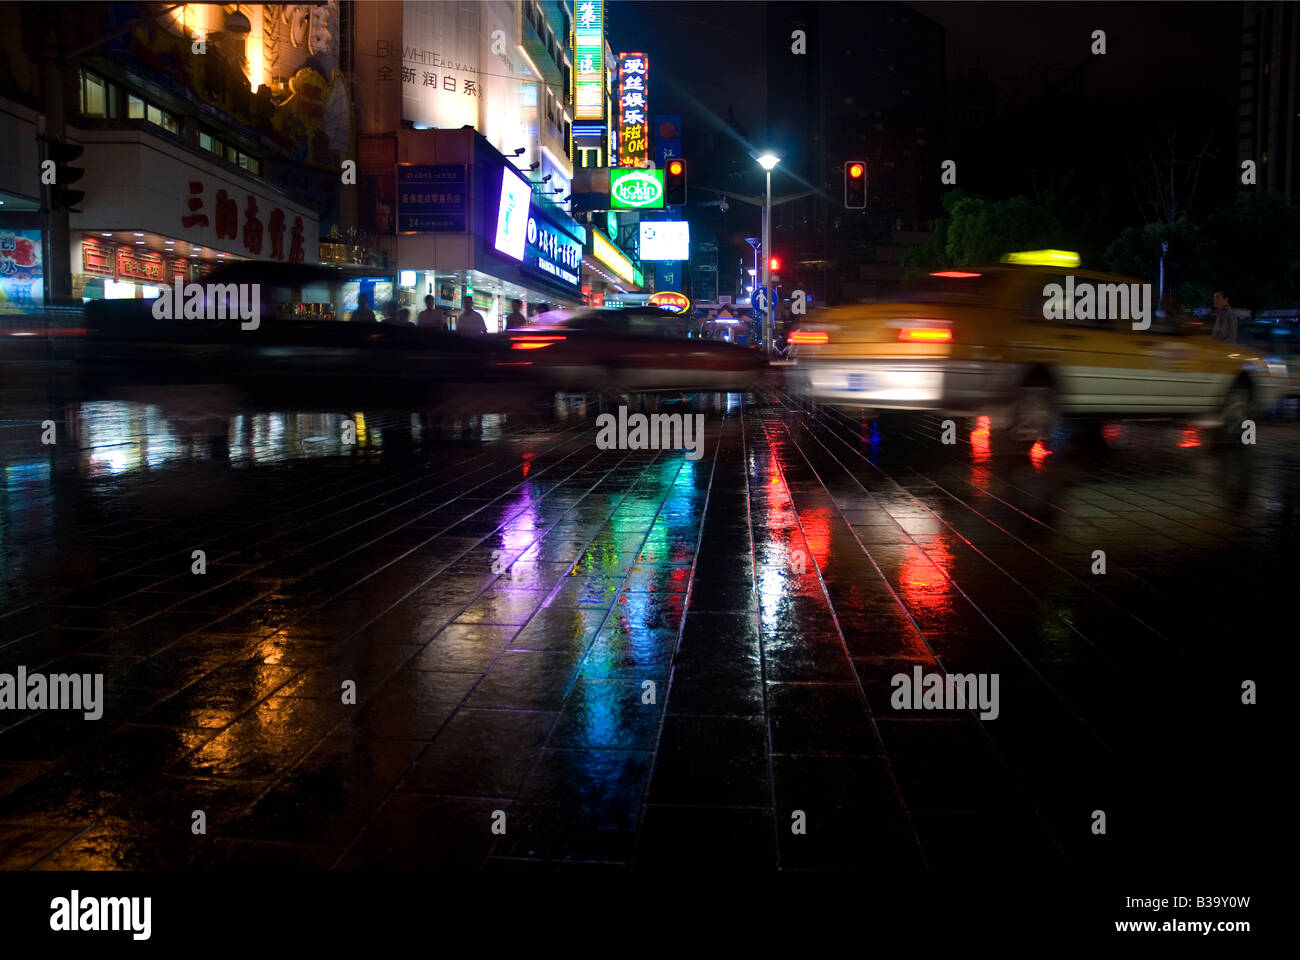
x,y
162,118
94,96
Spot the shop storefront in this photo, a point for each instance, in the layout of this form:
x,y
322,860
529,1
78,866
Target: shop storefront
x,y
154,213
470,224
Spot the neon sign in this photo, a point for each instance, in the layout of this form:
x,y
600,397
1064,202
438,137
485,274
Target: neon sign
x,y
589,60
633,123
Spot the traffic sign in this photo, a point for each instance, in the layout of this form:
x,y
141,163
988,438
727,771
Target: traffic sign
x,y
759,299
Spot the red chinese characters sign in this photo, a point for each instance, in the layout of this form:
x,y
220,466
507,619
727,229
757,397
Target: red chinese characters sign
x,y
257,239
144,267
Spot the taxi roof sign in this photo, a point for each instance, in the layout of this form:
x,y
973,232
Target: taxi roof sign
x,y
1043,258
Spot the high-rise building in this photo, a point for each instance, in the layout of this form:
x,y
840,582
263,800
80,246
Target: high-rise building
x,y
868,86
1269,102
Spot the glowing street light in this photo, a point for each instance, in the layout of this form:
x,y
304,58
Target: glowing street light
x,y
768,162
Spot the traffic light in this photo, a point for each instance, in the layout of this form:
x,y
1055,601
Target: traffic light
x,y
63,175
855,185
774,264
675,183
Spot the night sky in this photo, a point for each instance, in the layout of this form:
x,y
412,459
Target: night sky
x,y
707,56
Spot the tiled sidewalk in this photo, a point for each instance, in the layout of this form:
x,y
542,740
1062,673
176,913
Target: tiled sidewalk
x,y
625,658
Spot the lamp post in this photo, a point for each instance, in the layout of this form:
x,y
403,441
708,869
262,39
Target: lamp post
x,y
768,162
1164,249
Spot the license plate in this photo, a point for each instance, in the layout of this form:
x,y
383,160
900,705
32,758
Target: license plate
x,y
858,382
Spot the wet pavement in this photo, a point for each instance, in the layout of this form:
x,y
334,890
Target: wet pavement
x,y
620,658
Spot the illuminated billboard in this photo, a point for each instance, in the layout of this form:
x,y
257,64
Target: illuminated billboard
x,y
633,123
612,257
512,215
665,240
589,60
636,189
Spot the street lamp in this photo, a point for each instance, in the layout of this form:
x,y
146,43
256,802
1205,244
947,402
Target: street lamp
x,y
768,162
1160,305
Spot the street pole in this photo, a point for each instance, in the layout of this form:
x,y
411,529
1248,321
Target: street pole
x,y
767,265
1164,249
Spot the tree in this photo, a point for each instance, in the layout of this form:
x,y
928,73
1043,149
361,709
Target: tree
x,y
982,230
1256,249
1188,267
1165,179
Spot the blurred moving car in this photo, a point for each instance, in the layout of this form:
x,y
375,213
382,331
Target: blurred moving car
x,y
977,341
292,352
632,350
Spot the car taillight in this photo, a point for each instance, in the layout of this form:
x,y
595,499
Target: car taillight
x,y
925,335
810,337
532,342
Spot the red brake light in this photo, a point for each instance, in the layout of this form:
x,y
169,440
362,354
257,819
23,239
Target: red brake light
x,y
925,334
960,274
532,342
810,337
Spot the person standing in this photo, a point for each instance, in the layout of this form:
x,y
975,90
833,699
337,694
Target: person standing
x,y
429,316
471,322
363,313
1225,319
516,318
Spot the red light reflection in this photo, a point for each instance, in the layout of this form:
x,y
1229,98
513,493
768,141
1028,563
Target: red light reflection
x,y
980,443
1039,454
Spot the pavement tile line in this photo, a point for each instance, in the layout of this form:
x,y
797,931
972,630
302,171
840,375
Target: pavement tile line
x,y
537,759
1007,768
306,548
1154,590
837,433
862,697
553,591
725,425
509,471
316,502
1027,494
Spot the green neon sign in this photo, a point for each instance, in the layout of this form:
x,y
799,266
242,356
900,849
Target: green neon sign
x,y
636,189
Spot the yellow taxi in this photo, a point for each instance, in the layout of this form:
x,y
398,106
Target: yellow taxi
x,y
1028,342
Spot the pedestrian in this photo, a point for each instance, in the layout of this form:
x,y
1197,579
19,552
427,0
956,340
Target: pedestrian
x,y
471,322
516,318
430,316
404,317
363,313
1225,319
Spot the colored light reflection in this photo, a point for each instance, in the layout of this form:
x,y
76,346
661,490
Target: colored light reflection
x,y
981,444
1038,454
1112,432
923,582
1191,437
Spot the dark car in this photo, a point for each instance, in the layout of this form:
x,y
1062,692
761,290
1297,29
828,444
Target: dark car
x,y
630,351
297,346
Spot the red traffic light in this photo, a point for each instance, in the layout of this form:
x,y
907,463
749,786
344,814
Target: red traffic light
x,y
774,263
675,167
855,170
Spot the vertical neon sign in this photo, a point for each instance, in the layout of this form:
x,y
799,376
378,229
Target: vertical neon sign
x,y
589,60
633,119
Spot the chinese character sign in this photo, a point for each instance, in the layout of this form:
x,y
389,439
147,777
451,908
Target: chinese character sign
x,y
633,121
589,60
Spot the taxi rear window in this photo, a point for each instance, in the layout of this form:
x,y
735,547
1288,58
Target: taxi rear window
x,y
954,286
